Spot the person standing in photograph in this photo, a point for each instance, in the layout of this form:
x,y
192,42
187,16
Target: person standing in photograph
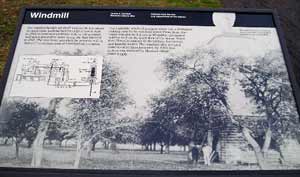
x,y
195,153
206,149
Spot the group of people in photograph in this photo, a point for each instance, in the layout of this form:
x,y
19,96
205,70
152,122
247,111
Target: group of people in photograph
x,y
195,152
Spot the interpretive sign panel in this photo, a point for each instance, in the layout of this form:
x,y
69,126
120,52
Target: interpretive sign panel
x,y
148,90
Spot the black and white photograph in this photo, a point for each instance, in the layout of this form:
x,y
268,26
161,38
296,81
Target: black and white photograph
x,y
170,98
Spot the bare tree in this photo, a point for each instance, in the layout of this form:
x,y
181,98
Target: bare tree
x,y
37,147
267,87
23,118
93,118
266,83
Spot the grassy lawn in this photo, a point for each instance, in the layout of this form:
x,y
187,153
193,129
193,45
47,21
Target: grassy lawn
x,y
10,9
63,157
55,157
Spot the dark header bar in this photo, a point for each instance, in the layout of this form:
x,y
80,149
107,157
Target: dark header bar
x,y
141,17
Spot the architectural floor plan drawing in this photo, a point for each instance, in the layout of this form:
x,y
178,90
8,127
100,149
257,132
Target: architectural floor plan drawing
x,y
58,76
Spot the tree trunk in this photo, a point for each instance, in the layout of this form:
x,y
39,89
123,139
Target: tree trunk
x,y
40,138
189,159
17,150
161,149
257,150
106,145
29,143
94,146
5,141
169,143
154,146
60,143
267,142
209,138
88,147
78,151
184,148
281,160
168,148
37,150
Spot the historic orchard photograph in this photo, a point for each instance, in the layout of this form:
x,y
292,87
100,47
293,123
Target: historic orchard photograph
x,y
197,110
